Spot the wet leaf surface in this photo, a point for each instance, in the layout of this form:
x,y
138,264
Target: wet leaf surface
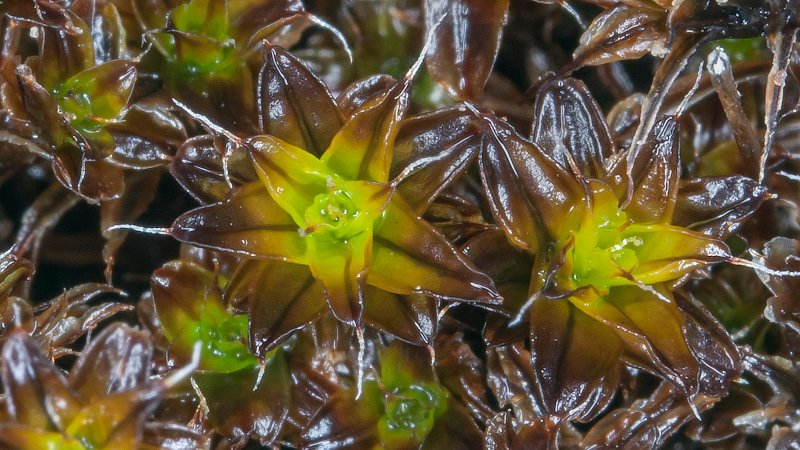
x,y
466,38
401,225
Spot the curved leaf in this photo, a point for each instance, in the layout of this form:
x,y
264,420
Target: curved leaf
x,y
412,318
652,331
362,149
575,360
146,136
242,404
529,194
190,308
342,268
620,33
62,55
654,170
293,176
248,223
465,41
345,423
360,92
716,206
282,297
116,360
93,179
431,151
430,265
568,124
199,166
294,105
667,252
36,392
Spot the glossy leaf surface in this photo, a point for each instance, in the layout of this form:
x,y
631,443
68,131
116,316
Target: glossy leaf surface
x,y
575,360
466,38
529,193
569,125
294,105
247,403
190,308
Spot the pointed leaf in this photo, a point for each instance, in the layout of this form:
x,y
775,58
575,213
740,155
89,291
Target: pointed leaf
x,y
282,298
360,92
466,38
146,136
655,169
620,33
116,360
115,421
62,55
189,304
404,243
95,180
346,423
575,359
431,151
40,106
463,373
647,423
529,193
713,348
294,104
100,92
651,328
362,149
248,223
199,166
716,206
412,318
244,404
510,379
248,17
453,429
568,122
36,393
667,252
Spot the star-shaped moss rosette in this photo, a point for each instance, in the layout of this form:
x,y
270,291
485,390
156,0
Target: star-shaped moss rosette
x,y
209,52
102,404
246,396
338,215
607,237
405,407
189,305
61,104
629,29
